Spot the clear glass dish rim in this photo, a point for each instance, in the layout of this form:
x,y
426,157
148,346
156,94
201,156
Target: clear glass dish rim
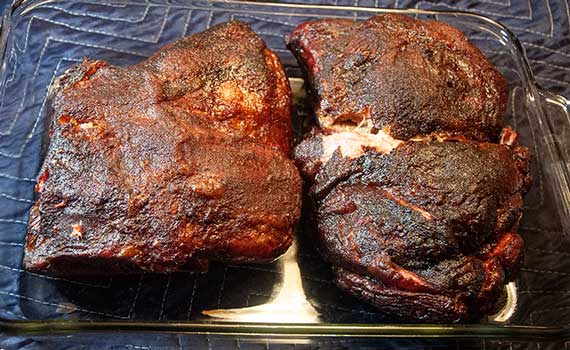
x,y
488,331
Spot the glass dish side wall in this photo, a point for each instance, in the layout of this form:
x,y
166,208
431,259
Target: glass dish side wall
x,y
45,38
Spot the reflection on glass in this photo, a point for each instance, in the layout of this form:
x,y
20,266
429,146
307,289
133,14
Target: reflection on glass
x,y
288,303
510,305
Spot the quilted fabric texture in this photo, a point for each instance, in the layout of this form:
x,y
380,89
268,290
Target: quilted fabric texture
x,y
61,33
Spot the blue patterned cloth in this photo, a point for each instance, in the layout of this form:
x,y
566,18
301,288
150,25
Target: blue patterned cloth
x,y
543,26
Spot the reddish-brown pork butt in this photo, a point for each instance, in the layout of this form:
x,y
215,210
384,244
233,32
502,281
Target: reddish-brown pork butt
x,y
170,163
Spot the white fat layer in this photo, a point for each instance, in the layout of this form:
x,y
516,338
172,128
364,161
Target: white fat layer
x,y
352,143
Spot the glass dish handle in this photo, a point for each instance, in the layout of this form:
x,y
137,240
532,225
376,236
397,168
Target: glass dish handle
x,y
550,123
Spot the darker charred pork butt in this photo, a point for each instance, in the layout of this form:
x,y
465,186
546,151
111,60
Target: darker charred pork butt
x,y
416,183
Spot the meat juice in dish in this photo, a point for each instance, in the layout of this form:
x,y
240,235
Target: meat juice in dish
x,y
170,163
416,183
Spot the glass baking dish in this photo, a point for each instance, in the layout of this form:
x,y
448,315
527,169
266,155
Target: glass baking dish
x,y
294,296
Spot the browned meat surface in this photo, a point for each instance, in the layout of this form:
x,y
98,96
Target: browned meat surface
x,y
170,163
435,217
424,228
404,76
425,231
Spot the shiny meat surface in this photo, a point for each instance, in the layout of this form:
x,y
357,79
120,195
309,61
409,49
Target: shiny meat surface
x,y
404,76
417,191
170,163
